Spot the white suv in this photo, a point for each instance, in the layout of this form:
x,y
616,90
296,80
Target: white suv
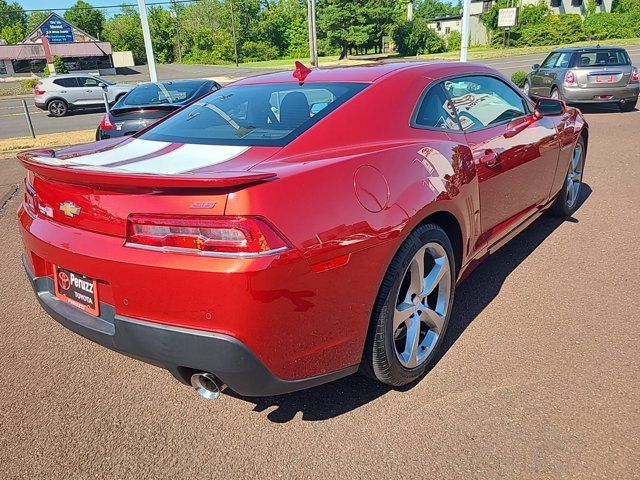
x,y
62,93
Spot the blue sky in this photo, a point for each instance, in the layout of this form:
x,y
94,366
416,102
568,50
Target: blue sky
x,y
54,4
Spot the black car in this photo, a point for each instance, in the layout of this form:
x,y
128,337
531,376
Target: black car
x,y
148,103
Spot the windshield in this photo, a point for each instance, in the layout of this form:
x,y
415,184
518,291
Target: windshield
x,y
603,58
266,115
160,94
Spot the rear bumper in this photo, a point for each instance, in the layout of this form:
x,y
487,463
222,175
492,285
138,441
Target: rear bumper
x,y
182,351
592,95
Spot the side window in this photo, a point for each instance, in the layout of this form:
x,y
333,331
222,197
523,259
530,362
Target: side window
x,y
67,82
564,60
88,82
436,111
550,61
482,101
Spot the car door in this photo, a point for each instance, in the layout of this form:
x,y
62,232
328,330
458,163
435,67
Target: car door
x,y
91,91
515,152
68,88
543,78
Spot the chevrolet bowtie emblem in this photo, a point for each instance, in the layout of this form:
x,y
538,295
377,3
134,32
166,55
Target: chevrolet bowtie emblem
x,y
70,209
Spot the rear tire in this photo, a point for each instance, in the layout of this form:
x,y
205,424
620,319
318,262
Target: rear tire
x,y
555,93
57,108
567,201
412,310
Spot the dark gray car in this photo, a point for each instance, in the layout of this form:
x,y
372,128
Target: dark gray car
x,y
586,75
148,103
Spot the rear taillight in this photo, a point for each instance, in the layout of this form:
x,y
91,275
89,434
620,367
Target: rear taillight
x,y
570,79
220,235
106,124
634,74
37,90
30,200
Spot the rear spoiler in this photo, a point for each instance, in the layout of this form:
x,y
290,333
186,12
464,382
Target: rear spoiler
x,y
103,178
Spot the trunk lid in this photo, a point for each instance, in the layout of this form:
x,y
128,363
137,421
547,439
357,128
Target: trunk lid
x,y
96,187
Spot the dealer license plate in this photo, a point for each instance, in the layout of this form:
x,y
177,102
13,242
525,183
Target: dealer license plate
x,y
604,78
77,290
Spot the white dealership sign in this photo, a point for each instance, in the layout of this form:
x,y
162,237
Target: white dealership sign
x,y
508,17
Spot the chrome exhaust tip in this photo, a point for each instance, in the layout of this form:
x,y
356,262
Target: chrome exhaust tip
x,y
207,385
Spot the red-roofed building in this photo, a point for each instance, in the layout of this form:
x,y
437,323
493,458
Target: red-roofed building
x,y
56,37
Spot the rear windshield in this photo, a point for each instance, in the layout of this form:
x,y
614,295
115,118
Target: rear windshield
x,y
160,94
603,58
265,115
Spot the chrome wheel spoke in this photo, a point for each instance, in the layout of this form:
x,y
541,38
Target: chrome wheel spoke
x,y
434,320
402,313
412,343
417,272
438,271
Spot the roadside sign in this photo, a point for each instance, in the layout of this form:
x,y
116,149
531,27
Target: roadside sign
x,y
57,30
508,17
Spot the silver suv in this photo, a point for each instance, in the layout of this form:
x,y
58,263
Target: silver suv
x,y
586,75
62,93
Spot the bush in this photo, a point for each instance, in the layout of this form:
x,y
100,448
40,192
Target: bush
x,y
416,37
29,83
519,77
454,39
554,30
257,51
609,25
59,65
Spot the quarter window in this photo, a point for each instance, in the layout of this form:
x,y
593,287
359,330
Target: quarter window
x,y
483,101
436,111
88,82
564,60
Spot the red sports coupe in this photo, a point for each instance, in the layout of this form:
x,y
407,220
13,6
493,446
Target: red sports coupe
x,y
284,232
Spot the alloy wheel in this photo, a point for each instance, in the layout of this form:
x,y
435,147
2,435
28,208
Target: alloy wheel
x,y
574,177
57,108
526,88
555,94
422,305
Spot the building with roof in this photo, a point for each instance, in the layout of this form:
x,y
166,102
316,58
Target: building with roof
x,y
55,36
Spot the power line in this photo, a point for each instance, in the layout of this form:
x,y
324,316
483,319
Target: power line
x,y
103,7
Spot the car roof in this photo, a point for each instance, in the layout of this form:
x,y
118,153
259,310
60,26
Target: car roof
x,y
587,49
366,73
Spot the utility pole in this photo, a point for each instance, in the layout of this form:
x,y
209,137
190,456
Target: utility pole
x,y
148,47
311,22
174,14
233,32
466,18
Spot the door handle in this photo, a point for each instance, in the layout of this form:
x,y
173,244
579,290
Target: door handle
x,y
489,158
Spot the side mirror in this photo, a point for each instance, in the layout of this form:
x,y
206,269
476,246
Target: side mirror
x,y
535,67
549,107
104,86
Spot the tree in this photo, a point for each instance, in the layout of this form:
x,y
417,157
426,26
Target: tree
x,y
417,37
36,18
13,22
86,18
124,32
162,29
430,9
342,23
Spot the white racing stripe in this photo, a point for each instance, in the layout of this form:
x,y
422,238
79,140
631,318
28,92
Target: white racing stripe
x,y
186,158
130,150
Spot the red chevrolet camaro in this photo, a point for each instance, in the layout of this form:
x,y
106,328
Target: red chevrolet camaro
x,y
284,232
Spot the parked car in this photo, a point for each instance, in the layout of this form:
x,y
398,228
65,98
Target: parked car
x,y
61,93
285,232
586,75
149,102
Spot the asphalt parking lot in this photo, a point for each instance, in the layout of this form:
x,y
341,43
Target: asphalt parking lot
x,y
540,376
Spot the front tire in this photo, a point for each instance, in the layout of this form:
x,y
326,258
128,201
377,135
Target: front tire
x,y
566,202
412,310
527,88
57,108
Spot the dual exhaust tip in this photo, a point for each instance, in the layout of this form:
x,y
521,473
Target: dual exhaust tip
x,y
207,385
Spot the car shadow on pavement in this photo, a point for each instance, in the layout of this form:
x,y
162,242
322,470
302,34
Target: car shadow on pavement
x,y
600,108
472,297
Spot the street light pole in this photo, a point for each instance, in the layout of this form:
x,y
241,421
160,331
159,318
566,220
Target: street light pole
x,y
233,34
146,35
466,17
313,39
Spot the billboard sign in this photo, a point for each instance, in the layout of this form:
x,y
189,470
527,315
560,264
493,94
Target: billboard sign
x,y
57,30
508,17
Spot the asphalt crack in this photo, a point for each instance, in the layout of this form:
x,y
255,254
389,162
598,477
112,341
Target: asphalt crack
x,y
13,189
